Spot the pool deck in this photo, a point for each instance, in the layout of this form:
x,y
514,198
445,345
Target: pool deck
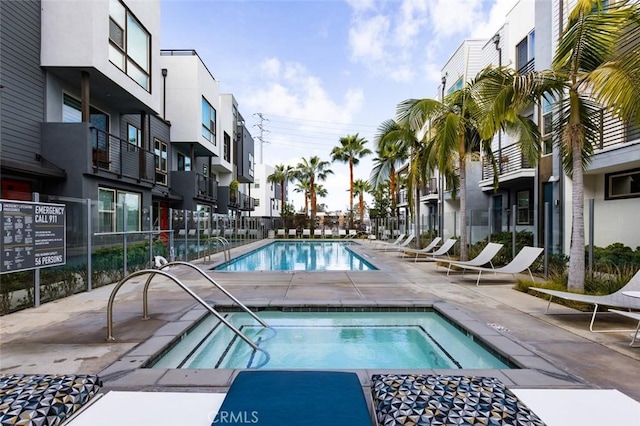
x,y
556,351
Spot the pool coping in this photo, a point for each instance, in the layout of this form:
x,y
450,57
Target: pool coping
x,y
128,371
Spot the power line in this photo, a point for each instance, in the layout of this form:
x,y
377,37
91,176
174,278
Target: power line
x,y
375,126
260,126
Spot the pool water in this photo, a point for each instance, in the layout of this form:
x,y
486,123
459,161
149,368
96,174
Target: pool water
x,y
331,340
299,256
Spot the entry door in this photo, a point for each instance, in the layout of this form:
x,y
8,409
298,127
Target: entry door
x,y
497,213
547,197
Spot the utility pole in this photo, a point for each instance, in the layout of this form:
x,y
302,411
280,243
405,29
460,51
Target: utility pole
x,y
260,126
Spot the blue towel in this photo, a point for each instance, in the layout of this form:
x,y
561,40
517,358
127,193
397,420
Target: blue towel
x,y
294,398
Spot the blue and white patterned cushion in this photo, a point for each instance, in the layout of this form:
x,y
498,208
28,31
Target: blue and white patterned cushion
x,y
447,400
43,399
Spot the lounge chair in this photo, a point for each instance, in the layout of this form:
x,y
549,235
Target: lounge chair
x,y
429,248
293,233
342,233
280,233
381,244
522,262
353,233
317,233
617,299
296,397
436,255
328,233
486,256
306,233
401,246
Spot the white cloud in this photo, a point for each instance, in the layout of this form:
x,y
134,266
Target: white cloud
x,y
271,67
495,18
368,37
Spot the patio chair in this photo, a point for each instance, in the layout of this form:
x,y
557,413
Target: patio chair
x,y
435,255
432,245
353,233
342,233
297,397
280,233
328,233
306,233
402,245
381,244
522,262
206,233
192,233
485,256
617,299
317,233
293,233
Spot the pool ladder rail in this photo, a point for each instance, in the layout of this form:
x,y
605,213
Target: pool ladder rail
x,y
161,264
225,248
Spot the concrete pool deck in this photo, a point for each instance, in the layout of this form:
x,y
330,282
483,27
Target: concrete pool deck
x,y
68,335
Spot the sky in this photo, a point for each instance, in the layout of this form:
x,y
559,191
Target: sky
x,y
321,70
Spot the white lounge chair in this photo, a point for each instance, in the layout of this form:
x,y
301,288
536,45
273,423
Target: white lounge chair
x,y
280,233
293,233
435,255
486,256
317,233
402,245
328,233
427,250
342,233
306,233
522,262
617,299
378,245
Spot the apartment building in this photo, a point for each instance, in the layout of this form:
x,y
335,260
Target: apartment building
x,y
101,113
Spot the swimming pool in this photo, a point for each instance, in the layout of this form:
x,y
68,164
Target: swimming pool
x,y
331,340
299,256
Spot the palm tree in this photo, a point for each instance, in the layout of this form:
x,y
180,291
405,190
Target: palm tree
x,y
314,170
390,154
598,58
596,64
350,150
361,187
303,187
281,175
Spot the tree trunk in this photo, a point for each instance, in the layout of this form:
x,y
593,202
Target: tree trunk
x,y
463,210
312,191
351,194
576,253
417,218
392,190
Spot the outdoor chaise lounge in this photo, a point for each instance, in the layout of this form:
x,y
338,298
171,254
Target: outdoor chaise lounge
x,y
300,397
306,233
617,299
437,254
401,246
522,262
382,244
485,256
293,233
280,233
446,400
427,250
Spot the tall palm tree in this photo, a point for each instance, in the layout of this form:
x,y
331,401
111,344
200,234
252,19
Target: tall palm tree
x,y
361,187
391,153
281,175
350,150
598,58
596,64
303,186
315,170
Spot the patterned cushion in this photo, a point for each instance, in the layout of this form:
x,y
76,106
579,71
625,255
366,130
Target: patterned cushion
x,y
447,400
43,399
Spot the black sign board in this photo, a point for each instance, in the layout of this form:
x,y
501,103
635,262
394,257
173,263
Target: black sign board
x,y
33,235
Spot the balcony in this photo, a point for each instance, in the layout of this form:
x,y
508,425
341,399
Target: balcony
x,y
528,67
97,153
429,192
618,146
194,186
512,165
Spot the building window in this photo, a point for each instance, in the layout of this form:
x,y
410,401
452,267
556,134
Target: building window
x,y
118,210
457,86
625,184
523,204
134,136
547,127
208,121
525,53
161,162
129,44
184,163
251,164
72,113
227,147
256,184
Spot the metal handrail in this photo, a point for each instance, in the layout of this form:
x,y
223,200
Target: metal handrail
x,y
152,273
225,247
211,280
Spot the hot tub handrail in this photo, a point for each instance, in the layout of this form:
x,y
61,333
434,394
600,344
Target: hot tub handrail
x,y
211,280
152,273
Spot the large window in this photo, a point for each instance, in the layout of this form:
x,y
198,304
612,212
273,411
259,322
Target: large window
x,y
251,164
134,135
184,163
457,86
208,121
72,113
547,127
523,199
118,210
625,184
525,53
227,147
161,162
129,44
